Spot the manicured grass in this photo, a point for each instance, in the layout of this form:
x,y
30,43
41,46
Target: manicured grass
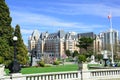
x,y
58,68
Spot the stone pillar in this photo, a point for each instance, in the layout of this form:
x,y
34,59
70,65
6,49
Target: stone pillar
x,y
17,76
84,67
2,73
85,72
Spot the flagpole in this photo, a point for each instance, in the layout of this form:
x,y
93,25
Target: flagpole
x,y
111,38
110,19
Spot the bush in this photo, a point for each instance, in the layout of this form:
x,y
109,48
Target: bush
x,y
41,63
81,58
70,59
60,62
118,64
99,56
56,63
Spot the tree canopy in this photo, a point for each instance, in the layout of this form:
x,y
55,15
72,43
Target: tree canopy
x,y
85,42
75,53
81,58
85,45
21,48
6,33
6,38
67,52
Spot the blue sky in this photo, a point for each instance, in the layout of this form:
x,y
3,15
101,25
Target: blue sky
x,y
70,15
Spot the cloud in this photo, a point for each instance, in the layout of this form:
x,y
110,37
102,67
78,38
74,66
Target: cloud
x,y
95,9
28,20
25,31
87,9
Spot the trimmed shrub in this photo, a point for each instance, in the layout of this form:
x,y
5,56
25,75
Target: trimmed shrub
x,y
81,58
41,63
56,63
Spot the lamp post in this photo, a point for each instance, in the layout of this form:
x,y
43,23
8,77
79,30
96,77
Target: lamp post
x,y
105,58
14,67
31,58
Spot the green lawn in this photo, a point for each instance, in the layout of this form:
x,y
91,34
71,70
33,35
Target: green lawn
x,y
58,68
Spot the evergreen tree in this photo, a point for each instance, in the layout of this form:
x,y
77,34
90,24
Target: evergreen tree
x,y
86,46
21,48
67,52
85,43
75,53
6,33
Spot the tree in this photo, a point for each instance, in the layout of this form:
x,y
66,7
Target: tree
x,y
6,34
89,53
81,58
85,42
75,53
21,48
67,52
99,56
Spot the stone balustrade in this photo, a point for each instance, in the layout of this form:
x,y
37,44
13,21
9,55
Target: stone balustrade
x,y
105,73
54,76
96,74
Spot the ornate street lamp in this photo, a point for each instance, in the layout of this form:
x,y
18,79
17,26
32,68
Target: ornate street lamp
x,y
31,58
14,67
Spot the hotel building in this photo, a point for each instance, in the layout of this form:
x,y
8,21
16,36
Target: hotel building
x,y
53,44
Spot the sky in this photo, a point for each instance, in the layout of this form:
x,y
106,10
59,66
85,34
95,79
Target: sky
x,y
69,15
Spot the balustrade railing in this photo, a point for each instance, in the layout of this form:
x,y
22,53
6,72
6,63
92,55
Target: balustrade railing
x,y
54,76
96,74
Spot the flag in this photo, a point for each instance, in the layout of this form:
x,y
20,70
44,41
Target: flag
x,y
109,16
